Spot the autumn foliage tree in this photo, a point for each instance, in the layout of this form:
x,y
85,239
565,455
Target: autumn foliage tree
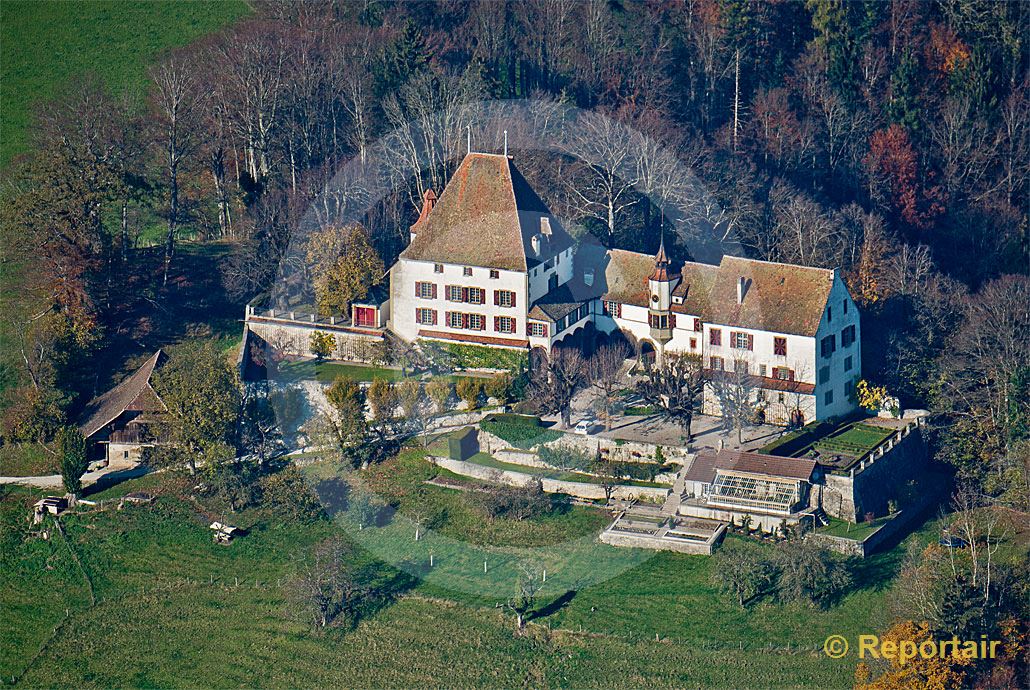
x,y
344,265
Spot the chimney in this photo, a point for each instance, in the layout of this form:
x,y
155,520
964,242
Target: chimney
x,y
545,225
428,202
588,277
741,289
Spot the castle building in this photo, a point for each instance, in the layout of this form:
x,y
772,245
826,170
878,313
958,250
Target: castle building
x,y
488,264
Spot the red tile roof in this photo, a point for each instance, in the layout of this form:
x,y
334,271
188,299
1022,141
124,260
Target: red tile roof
x,y
487,216
705,464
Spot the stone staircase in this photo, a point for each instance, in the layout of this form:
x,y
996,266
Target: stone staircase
x,y
672,503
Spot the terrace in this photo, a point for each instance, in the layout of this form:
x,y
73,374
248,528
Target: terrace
x,y
637,527
842,446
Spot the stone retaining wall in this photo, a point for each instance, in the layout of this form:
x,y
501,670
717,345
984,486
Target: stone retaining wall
x,y
620,451
643,542
578,489
870,486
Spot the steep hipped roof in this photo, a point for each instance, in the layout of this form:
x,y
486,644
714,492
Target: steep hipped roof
x,y
783,298
134,393
705,464
487,216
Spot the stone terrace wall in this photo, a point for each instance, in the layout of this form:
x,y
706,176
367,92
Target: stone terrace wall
x,y
592,492
868,487
626,451
295,338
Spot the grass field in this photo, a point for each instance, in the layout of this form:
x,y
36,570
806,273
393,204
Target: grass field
x,y
216,616
26,460
46,44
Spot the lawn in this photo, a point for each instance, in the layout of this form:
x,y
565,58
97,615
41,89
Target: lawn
x,y
858,532
520,431
214,616
27,460
456,515
46,45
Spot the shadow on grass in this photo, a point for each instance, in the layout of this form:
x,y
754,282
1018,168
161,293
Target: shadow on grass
x,y
113,478
555,606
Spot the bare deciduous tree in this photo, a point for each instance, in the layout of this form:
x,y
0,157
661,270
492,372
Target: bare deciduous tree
x,y
558,378
675,387
326,588
177,102
604,367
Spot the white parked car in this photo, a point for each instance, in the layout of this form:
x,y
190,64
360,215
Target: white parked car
x,y
585,426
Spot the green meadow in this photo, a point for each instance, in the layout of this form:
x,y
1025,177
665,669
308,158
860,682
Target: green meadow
x,y
143,597
45,45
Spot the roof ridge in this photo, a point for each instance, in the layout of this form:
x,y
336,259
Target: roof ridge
x,y
774,263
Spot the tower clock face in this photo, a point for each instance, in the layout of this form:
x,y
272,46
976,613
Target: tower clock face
x,y
654,298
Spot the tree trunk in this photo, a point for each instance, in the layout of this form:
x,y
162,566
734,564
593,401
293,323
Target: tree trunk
x,y
173,216
736,98
125,230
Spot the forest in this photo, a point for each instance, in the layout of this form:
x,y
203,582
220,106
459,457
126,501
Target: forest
x,y
890,140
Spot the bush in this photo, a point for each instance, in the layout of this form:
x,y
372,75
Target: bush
x,y
439,391
499,387
516,502
469,390
811,574
288,494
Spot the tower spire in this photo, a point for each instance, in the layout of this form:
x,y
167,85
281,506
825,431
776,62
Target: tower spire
x,y
661,259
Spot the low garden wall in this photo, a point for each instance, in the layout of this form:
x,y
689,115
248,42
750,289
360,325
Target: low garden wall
x,y
634,541
578,489
621,451
502,450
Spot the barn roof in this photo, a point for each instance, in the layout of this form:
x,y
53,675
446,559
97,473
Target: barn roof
x,y
487,216
134,393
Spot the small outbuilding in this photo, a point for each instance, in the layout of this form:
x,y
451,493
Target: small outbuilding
x,y
463,444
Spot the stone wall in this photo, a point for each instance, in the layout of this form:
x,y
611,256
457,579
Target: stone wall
x,y
502,450
578,489
626,451
643,542
294,338
870,485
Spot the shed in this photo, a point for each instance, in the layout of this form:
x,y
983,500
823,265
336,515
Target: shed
x,y
463,444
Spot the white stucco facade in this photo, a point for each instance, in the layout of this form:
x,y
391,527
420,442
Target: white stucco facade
x,y
405,302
